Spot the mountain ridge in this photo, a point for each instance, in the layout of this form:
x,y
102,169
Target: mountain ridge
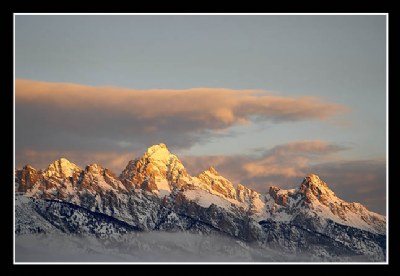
x,y
155,192
157,164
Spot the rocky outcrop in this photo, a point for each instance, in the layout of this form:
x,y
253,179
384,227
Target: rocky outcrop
x,y
99,179
218,183
156,170
26,178
314,189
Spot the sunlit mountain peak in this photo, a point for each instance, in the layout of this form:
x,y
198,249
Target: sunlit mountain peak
x,y
61,168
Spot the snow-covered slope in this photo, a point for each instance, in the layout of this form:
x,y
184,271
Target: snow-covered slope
x,y
155,192
49,217
315,199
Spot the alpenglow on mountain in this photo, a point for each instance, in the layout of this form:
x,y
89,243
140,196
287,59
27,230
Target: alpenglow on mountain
x,y
156,193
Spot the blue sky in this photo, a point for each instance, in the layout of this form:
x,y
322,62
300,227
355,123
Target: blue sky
x,y
339,60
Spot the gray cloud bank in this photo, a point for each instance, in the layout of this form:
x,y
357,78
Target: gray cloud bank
x,y
151,247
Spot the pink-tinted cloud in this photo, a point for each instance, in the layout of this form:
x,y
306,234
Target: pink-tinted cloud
x,y
285,161
214,107
291,159
72,116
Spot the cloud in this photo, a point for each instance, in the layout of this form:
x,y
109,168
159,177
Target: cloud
x,y
291,159
286,165
284,161
156,246
65,116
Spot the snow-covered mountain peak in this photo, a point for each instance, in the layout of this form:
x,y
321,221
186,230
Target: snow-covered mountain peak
x,y
157,170
217,183
99,179
61,168
159,161
315,198
313,179
314,188
158,152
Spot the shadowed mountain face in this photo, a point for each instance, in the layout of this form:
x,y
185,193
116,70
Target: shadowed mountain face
x,y
155,192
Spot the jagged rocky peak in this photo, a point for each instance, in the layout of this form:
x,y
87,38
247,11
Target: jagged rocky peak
x,y
28,168
93,168
245,194
160,160
99,170
158,152
100,179
281,196
315,180
96,169
314,188
127,175
213,171
242,193
273,191
158,169
26,178
61,168
218,183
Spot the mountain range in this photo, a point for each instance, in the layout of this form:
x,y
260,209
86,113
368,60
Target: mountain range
x,y
156,193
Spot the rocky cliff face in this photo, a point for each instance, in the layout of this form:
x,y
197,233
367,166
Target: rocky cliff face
x,y
157,171
155,192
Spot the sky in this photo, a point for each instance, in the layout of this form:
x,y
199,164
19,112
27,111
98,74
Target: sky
x,y
265,99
